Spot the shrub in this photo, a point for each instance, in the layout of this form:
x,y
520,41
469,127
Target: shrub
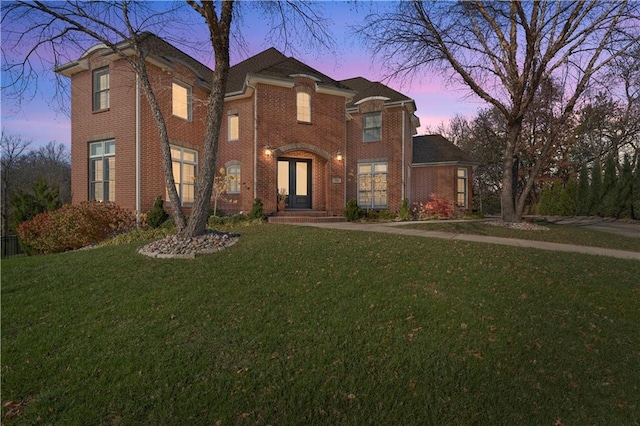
x,y
405,210
74,226
437,208
257,210
352,211
157,215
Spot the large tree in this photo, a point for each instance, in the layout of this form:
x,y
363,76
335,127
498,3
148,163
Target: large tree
x,y
54,27
504,52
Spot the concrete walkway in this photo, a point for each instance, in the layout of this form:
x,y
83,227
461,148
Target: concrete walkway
x,y
396,228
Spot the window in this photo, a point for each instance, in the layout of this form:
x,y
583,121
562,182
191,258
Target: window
x,y
181,100
372,185
185,163
101,89
102,171
461,198
304,107
233,179
233,123
372,127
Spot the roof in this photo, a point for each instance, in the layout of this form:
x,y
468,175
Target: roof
x,y
430,149
153,46
366,89
272,63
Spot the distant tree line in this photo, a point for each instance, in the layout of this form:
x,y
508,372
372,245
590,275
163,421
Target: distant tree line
x,y
33,180
614,192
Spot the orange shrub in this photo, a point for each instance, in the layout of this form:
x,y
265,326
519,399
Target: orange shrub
x,y
74,226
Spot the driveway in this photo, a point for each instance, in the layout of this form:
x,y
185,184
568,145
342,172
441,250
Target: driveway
x,y
627,228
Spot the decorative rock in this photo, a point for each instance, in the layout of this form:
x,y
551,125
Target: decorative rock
x,y
176,247
522,226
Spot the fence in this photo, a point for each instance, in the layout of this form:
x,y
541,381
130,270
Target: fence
x,y
10,246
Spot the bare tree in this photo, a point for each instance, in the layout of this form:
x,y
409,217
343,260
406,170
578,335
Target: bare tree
x,y
12,149
503,52
55,26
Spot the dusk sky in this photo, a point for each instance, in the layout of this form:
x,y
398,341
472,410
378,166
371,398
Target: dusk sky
x,y
436,101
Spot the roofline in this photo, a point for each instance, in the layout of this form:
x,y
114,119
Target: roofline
x,y
252,79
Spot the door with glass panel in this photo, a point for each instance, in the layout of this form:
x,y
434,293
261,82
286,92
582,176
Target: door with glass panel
x,y
294,178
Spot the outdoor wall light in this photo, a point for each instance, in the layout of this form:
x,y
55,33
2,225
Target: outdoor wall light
x,y
268,151
339,156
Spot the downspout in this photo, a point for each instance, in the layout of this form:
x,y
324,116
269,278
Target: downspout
x,y
344,162
404,125
138,203
255,140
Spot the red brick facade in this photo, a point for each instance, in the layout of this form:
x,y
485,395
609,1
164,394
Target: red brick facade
x,y
267,121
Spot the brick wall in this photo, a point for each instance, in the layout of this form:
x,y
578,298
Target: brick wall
x,y
441,180
388,150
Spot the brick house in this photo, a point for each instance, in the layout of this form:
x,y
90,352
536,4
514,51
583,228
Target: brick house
x,y
286,126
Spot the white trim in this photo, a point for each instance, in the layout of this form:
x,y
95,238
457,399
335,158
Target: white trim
x,y
372,98
310,77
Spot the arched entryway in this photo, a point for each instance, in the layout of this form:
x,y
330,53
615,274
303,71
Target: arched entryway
x,y
302,173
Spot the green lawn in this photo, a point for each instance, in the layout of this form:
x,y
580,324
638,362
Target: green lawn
x,y
557,233
296,325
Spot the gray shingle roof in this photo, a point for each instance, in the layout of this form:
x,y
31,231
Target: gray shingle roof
x,y
272,63
438,149
366,89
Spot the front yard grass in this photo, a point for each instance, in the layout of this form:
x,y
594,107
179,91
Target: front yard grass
x,y
556,234
298,325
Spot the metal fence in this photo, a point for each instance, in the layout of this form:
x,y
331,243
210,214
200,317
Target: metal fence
x,y
10,246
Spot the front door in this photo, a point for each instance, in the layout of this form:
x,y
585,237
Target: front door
x,y
294,175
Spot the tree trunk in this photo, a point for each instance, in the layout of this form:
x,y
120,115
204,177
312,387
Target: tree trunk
x,y
509,211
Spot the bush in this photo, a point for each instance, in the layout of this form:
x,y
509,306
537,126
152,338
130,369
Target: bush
x,y
353,212
405,210
157,215
74,226
437,208
257,210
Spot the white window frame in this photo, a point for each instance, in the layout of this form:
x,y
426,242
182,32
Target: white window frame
x,y
176,108
371,133
233,127
233,179
101,89
102,154
462,193
185,181
372,181
303,107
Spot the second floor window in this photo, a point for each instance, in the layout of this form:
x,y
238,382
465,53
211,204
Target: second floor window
x,y
101,89
181,96
233,123
304,107
185,164
372,127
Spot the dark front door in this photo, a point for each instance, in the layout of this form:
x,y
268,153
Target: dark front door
x,y
294,175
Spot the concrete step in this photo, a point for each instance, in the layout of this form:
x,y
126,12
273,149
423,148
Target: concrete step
x,y
305,219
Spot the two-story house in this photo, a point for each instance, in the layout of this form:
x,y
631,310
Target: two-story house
x,y
286,127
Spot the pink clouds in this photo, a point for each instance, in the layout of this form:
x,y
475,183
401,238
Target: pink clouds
x,y
436,101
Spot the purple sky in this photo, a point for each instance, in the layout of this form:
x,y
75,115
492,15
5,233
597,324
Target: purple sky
x,y
436,102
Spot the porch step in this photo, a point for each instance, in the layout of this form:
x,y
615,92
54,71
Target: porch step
x,y
304,216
